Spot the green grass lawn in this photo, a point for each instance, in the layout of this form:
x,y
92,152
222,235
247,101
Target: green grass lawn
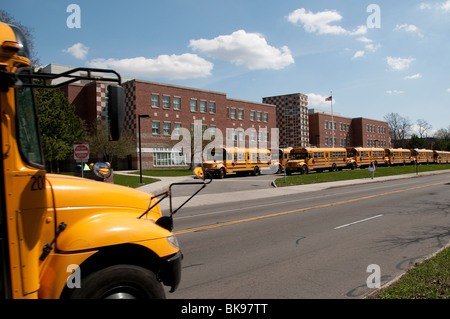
x,y
168,172
428,280
313,178
132,181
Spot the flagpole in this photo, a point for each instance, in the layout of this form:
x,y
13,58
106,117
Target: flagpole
x,y
332,120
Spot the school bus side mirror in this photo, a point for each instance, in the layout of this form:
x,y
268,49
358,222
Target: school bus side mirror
x,y
198,171
116,110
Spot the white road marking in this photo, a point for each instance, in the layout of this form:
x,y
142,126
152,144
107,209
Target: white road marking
x,y
358,221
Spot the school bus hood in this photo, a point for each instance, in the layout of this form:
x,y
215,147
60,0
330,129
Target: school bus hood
x,y
72,192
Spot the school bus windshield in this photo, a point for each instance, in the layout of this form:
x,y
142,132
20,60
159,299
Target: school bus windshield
x,y
299,156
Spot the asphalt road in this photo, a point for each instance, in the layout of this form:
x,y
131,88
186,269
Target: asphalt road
x,y
312,245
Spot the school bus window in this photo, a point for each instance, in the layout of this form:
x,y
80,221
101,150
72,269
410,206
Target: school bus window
x,y
29,143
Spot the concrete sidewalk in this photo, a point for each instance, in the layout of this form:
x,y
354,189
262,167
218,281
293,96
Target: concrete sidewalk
x,y
211,199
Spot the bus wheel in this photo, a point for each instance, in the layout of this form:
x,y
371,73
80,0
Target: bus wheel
x,y
120,282
304,170
256,171
333,167
222,173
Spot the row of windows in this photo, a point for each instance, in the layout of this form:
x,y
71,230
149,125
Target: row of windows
x,y
175,103
373,129
376,143
257,116
342,126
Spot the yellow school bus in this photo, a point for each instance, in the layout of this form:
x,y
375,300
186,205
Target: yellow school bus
x,y
68,237
362,157
441,157
242,161
304,160
422,156
398,156
283,157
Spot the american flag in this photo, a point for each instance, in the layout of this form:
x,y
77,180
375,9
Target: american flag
x,y
330,98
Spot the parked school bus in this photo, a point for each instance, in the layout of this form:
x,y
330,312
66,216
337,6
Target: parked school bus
x,y
282,159
222,161
422,156
304,160
362,157
398,156
441,157
112,241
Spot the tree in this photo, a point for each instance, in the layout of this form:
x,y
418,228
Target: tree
x,y
416,142
28,33
100,143
60,127
399,128
442,137
424,127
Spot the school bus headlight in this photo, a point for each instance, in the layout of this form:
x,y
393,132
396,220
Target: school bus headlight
x,y
173,241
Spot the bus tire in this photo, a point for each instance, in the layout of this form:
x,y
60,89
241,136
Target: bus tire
x,y
280,169
304,170
256,171
222,173
120,282
333,167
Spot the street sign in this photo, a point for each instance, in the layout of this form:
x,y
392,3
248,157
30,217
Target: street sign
x,y
81,152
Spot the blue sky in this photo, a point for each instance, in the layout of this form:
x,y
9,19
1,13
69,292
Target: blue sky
x,y
391,57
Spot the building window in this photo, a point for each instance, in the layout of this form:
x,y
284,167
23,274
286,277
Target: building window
x,y
212,130
166,128
233,114
266,117
155,100
326,125
168,157
177,128
212,107
193,105
241,114
176,103
258,116
252,115
155,127
203,106
166,102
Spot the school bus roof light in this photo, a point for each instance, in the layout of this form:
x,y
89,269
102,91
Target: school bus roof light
x,y
11,46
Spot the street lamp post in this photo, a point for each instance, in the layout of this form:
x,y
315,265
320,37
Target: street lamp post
x,y
140,151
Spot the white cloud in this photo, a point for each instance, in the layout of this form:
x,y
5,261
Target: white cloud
x,y
372,47
413,77
358,54
320,22
396,92
242,48
365,40
445,6
318,100
399,64
78,50
424,6
408,28
172,67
